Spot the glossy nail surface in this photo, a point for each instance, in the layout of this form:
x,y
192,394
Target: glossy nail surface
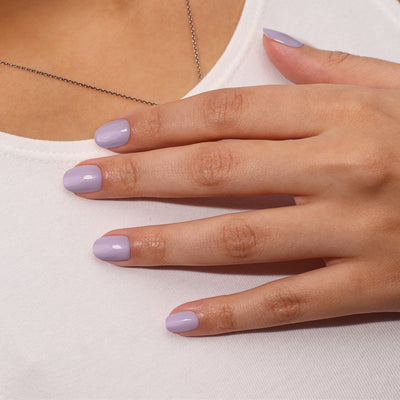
x,y
112,248
113,134
182,321
282,38
83,179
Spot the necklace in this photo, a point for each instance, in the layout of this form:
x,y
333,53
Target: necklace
x,y
60,78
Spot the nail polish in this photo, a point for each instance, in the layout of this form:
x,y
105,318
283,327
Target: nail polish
x,y
183,321
113,134
112,248
281,38
83,179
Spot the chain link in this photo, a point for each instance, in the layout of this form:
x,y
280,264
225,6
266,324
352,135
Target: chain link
x,y
60,78
196,53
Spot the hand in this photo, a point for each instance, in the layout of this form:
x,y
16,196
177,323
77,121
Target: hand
x,y
334,146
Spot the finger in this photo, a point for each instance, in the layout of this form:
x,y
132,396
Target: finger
x,y
270,235
260,112
327,292
236,168
304,64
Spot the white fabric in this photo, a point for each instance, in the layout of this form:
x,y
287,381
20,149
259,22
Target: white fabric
x,y
74,327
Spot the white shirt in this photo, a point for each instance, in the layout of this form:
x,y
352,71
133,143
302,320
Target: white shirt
x,y
74,327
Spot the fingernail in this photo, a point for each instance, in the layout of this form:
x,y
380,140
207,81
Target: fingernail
x,y
182,321
83,179
112,248
113,134
282,38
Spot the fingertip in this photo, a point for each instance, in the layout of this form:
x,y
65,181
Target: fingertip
x,y
304,64
281,37
83,179
112,248
113,134
182,321
291,57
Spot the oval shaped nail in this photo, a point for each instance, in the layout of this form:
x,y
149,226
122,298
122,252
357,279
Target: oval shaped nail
x,y
112,248
282,38
83,179
183,321
113,134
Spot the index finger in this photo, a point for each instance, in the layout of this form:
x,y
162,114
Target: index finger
x,y
258,112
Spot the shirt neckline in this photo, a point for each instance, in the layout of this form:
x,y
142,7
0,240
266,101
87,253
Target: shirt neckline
x,y
242,38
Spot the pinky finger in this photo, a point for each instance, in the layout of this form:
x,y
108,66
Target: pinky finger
x,y
327,292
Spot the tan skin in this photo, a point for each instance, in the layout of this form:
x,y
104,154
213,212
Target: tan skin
x,y
332,142
142,48
335,147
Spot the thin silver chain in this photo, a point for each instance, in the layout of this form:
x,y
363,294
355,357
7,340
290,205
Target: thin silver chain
x,y
196,53
60,78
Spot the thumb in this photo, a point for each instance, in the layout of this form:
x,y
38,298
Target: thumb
x,y
304,64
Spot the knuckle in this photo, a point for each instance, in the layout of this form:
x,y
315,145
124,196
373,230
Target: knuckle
x,y
391,288
390,104
149,247
149,124
125,174
212,165
383,109
371,168
239,239
369,283
225,320
349,105
282,305
372,162
336,58
223,108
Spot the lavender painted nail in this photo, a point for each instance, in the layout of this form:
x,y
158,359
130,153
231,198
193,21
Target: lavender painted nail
x,y
182,321
113,134
282,38
83,179
112,248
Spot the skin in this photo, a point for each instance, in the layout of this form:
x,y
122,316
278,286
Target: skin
x,y
142,48
335,148
332,142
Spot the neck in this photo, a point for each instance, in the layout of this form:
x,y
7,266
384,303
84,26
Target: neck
x,y
141,48
72,28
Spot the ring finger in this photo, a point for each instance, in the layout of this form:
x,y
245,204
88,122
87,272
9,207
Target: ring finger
x,y
271,235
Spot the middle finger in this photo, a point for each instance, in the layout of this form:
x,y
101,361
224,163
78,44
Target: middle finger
x,y
234,168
